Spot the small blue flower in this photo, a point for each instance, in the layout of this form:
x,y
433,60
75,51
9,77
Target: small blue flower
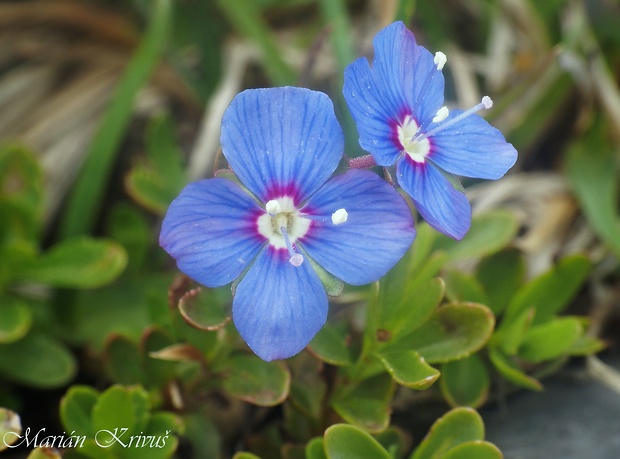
x,y
283,145
398,107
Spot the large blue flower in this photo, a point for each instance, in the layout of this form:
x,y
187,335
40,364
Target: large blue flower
x,y
283,145
398,107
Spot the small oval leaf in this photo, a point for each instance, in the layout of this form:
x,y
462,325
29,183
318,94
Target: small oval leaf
x,y
465,382
331,346
255,381
343,441
474,450
408,368
201,309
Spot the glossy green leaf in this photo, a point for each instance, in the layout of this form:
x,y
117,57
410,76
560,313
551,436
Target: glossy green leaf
x,y
16,319
315,449
510,335
408,368
465,382
37,361
343,441
89,190
331,345
489,233
402,309
76,409
10,428
202,308
454,331
120,407
474,450
593,173
551,339
500,275
163,150
463,287
78,263
454,428
509,370
162,426
255,381
552,291
367,404
245,455
586,345
122,361
395,440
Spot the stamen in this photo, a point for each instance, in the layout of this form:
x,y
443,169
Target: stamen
x,y
296,258
485,103
440,60
441,115
340,216
273,207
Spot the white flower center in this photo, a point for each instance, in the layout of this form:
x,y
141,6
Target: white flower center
x,y
417,149
282,225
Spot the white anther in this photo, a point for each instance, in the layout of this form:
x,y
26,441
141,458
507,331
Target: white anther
x,y
273,207
441,115
487,102
340,216
440,60
296,260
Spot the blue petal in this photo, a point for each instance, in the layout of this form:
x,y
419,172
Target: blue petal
x,y
472,148
377,233
442,206
403,67
375,121
278,308
210,229
282,141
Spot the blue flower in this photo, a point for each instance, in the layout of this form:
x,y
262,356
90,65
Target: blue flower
x,y
398,107
283,145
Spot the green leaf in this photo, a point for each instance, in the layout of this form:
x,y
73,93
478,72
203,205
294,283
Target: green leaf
x,y
489,233
465,382
203,435
330,345
21,194
453,332
551,339
402,309
461,287
37,361
315,449
454,428
76,409
149,189
501,274
550,292
78,263
204,309
164,152
16,319
162,426
332,285
10,428
122,361
592,170
120,408
474,449
343,441
586,345
510,334
408,368
157,372
507,368
245,455
128,226
255,381
85,199
367,404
